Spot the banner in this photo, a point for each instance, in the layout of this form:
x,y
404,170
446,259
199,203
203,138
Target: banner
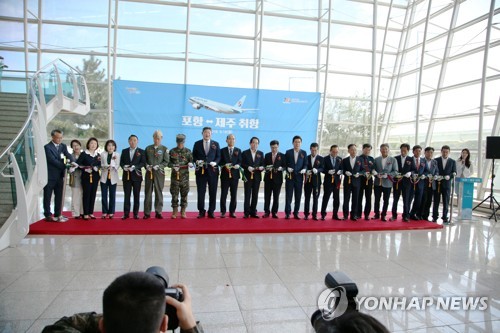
x,y
140,108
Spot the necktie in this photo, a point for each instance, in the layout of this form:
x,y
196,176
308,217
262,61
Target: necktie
x,y
206,147
231,152
131,154
417,161
274,156
333,162
367,168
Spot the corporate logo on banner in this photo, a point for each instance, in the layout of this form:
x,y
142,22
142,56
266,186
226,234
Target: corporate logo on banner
x,y
140,108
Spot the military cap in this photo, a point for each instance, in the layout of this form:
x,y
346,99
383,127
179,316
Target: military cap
x,y
180,138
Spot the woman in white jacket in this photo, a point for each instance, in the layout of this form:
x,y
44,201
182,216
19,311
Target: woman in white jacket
x,y
110,161
464,166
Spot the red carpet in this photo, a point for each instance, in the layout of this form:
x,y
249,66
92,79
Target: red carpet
x,y
192,225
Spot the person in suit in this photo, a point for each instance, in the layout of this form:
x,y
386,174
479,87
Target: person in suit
x,y
230,161
430,184
273,179
75,182
206,153
416,191
132,160
351,167
157,158
366,181
385,166
296,164
332,168
447,169
110,162
55,152
313,181
402,184
90,162
252,162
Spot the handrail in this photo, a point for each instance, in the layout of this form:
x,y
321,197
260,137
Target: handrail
x,y
33,104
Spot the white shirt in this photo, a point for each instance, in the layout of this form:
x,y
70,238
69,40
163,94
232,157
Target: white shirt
x,y
313,158
253,154
384,161
353,161
444,162
295,155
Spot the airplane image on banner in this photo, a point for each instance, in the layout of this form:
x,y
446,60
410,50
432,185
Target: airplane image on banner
x,y
199,102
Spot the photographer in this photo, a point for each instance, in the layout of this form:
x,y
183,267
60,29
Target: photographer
x,y
133,302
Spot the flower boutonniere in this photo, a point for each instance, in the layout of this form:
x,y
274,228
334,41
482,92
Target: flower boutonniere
x,y
213,146
370,163
235,152
98,157
358,163
113,157
174,155
408,162
301,155
388,163
279,158
316,162
138,153
258,156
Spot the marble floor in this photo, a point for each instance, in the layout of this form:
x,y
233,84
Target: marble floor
x,y
261,282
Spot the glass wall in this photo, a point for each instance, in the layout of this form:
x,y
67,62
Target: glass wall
x,y
411,73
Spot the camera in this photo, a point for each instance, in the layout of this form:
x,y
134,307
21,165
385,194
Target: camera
x,y
170,311
339,299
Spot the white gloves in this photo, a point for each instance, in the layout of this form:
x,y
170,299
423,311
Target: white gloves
x,y
384,175
251,169
447,177
422,177
199,162
261,168
374,172
72,169
331,172
156,167
149,167
176,168
280,169
213,163
290,170
95,169
408,174
89,170
356,175
236,166
73,164
339,172
348,173
132,168
126,167
191,165
315,171
454,174
303,171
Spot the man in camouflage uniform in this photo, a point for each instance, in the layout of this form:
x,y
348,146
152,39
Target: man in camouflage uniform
x,y
181,159
156,160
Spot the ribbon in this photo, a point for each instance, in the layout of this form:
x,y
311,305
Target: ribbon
x,y
109,173
90,178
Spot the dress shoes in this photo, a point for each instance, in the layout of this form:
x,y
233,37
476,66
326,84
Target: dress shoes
x,y
136,217
367,218
124,217
158,216
245,216
146,216
354,218
233,215
434,220
394,218
222,215
287,216
266,215
376,217
275,216
384,218
405,219
336,218
92,216
315,218
306,218
211,215
200,215
296,216
50,219
322,218
414,218
61,219
255,216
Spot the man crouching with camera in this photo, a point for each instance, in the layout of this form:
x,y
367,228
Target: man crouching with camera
x,y
136,302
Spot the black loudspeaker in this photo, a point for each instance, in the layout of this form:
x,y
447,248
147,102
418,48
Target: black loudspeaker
x,y
493,147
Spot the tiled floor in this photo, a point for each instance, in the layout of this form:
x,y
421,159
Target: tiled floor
x,y
261,283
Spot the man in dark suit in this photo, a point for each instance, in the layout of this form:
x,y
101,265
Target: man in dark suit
x,y
332,168
313,181
351,167
252,161
273,179
366,181
402,184
132,160
230,161
447,169
206,154
418,187
296,164
55,153
430,184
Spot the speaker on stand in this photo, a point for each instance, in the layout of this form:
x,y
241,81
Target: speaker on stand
x,y
492,153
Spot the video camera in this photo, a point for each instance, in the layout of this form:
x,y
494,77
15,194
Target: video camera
x,y
170,311
339,298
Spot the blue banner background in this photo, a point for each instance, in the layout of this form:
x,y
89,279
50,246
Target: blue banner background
x,y
142,107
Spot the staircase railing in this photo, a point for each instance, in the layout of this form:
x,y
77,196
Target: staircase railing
x,y
56,87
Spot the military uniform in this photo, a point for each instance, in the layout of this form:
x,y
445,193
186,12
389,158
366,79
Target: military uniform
x,y
156,161
88,322
179,181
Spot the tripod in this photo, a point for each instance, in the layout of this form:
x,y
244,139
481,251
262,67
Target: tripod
x,y
491,197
